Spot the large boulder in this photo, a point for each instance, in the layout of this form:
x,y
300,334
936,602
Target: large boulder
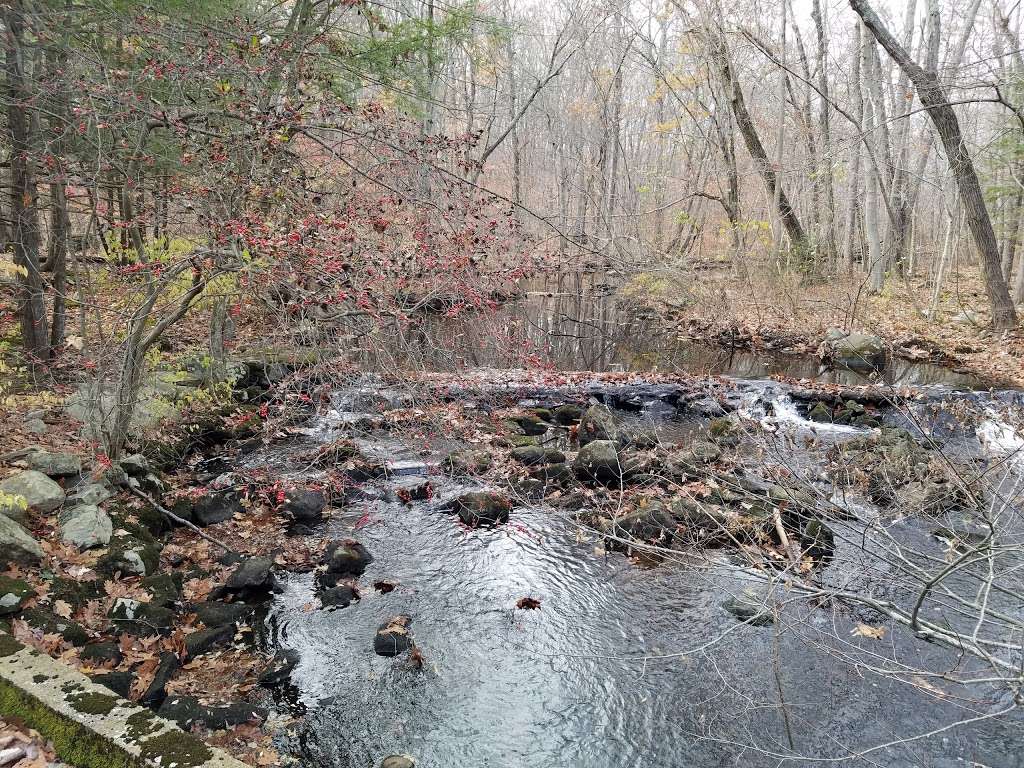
x,y
40,494
482,508
597,423
55,464
17,546
85,526
854,351
650,524
601,461
253,575
466,462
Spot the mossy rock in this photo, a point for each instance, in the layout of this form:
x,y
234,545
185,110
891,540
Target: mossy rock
x,y
13,594
175,748
51,624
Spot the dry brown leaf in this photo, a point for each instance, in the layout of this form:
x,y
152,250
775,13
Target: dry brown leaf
x,y
866,630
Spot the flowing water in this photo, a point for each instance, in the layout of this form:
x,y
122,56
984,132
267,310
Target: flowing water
x,y
627,664
622,665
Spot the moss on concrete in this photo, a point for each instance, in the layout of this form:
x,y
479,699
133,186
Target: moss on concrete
x,y
73,742
142,723
8,645
176,748
92,703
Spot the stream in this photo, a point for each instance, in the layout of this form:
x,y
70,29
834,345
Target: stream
x,y
628,663
623,664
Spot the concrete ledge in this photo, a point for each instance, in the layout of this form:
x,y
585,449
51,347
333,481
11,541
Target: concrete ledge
x,y
89,726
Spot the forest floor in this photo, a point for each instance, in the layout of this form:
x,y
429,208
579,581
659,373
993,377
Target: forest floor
x,y
766,310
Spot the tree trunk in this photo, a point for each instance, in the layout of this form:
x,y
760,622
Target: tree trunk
x,y
25,221
745,123
936,101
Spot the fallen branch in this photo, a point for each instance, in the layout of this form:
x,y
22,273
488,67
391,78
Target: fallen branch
x,y
180,520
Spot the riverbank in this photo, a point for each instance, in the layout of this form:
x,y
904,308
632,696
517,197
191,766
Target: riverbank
x,y
765,311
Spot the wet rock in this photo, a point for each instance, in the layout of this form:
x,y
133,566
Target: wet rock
x,y
156,693
17,546
253,576
85,526
820,412
215,508
597,423
205,640
101,654
393,637
55,464
304,506
214,613
37,492
410,489
397,761
482,508
13,594
751,606
567,414
338,597
854,351
118,682
280,668
466,462
347,557
188,711
650,525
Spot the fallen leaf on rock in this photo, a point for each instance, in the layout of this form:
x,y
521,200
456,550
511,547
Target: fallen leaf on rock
x,y
866,630
528,603
383,587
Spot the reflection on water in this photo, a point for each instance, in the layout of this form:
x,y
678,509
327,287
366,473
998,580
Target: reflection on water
x,y
575,321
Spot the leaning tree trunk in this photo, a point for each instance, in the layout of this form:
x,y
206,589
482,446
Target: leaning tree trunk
x,y
935,100
745,123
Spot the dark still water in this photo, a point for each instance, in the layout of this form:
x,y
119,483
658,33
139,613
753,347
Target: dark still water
x,y
576,322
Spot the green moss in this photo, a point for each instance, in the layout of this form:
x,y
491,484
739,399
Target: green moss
x,y
92,703
8,645
142,723
73,742
37,679
177,748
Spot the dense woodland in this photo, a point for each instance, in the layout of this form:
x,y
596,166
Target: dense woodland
x,y
349,161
